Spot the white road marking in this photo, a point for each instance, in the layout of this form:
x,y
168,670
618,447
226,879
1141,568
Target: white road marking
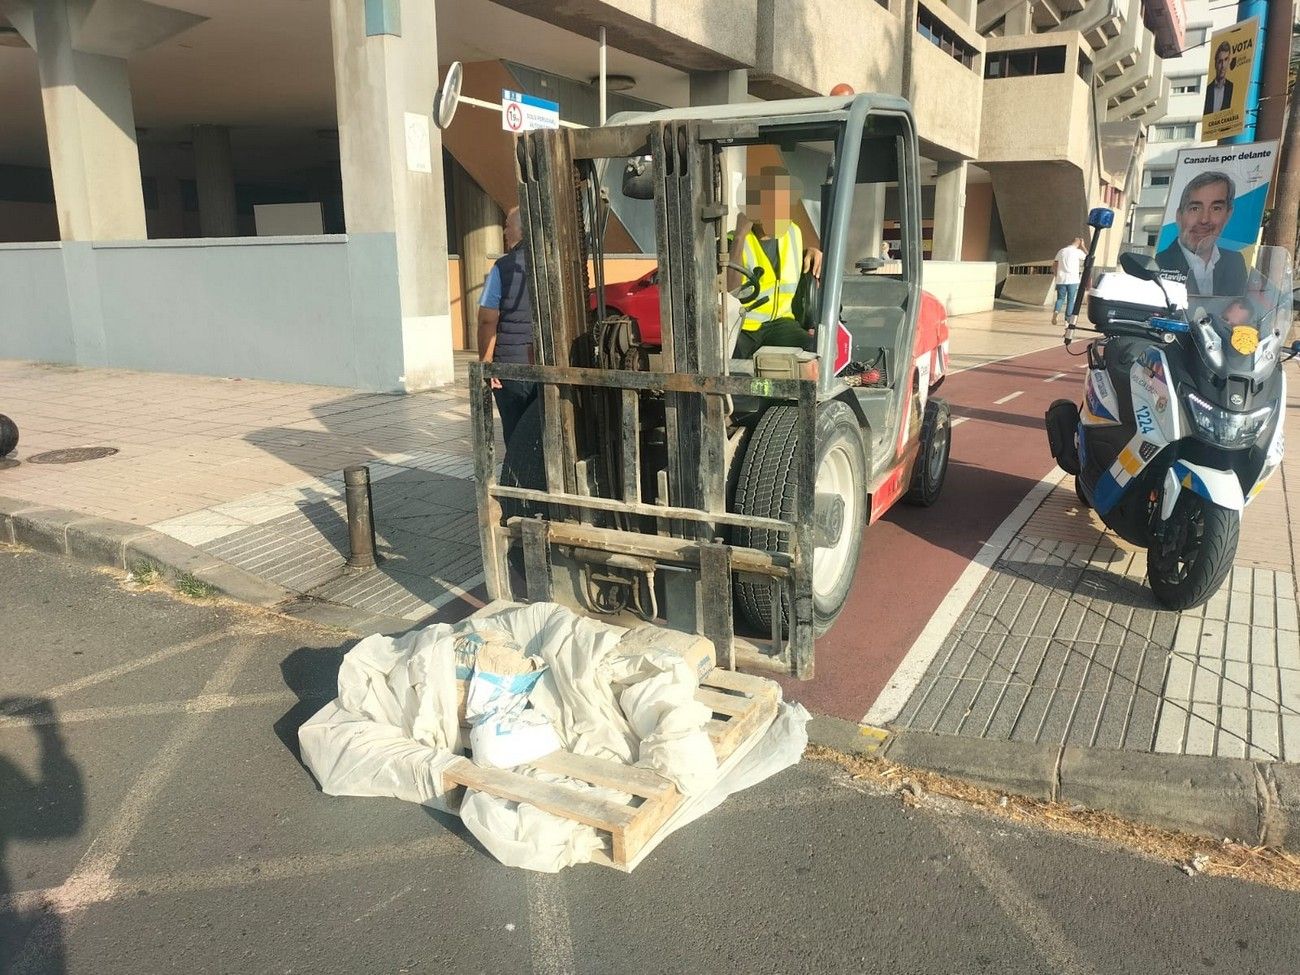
x,y
1055,377
249,872
91,881
958,421
90,680
1020,907
913,667
196,705
1009,397
548,926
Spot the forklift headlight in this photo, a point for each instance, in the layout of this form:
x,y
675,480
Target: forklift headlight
x,y
1224,428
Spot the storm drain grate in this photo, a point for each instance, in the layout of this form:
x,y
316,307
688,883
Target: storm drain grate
x,y
72,455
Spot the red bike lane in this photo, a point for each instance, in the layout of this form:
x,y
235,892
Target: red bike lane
x,y
912,557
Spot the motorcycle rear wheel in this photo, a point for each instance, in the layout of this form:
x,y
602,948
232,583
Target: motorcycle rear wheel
x,y
1189,564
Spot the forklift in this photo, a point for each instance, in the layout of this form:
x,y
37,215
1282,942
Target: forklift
x,y
658,479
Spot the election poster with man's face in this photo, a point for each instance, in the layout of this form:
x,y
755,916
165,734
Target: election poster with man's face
x,y
1215,207
1232,58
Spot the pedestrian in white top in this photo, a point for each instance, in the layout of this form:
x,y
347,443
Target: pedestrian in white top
x,y
1068,268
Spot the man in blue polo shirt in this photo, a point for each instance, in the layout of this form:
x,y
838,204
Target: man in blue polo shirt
x,y
505,324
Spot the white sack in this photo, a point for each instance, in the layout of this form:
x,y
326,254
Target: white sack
x,y
394,726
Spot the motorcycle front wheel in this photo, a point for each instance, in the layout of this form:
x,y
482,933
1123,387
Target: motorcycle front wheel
x,y
1187,566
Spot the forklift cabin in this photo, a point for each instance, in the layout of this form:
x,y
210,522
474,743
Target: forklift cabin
x,y
657,479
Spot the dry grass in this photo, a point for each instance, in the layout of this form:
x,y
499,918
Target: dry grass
x,y
1220,858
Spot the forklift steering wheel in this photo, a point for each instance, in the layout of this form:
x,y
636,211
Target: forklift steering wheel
x,y
751,287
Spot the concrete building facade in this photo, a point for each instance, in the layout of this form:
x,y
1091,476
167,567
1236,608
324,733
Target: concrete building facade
x,y
254,188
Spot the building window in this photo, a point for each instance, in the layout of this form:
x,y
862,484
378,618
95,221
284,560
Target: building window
x,y
1188,84
1194,37
1159,179
1175,132
1085,67
1024,62
942,36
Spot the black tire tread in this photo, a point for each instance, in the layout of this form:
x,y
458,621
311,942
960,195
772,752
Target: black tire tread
x,y
918,493
767,468
1213,563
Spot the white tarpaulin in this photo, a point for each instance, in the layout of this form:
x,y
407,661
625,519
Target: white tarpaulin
x,y
394,726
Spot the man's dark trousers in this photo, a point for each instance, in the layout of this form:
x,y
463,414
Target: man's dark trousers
x,y
512,400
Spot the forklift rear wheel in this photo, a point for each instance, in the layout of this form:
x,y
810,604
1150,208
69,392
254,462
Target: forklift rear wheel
x,y
765,488
932,457
8,435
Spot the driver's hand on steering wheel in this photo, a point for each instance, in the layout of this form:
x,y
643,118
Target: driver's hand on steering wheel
x,y
812,261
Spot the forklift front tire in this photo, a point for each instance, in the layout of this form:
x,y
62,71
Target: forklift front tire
x,y
765,488
932,455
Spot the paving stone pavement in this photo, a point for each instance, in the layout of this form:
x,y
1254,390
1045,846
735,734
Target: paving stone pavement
x,y
426,533
1063,644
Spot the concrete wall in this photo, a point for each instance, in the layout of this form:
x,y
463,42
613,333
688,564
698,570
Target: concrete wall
x,y
946,95
1032,289
691,36
313,309
809,46
964,287
35,322
1039,116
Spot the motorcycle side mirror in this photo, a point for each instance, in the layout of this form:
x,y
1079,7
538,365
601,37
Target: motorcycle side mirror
x,y
1142,266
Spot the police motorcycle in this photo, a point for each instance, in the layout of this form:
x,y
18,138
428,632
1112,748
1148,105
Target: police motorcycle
x,y
1183,406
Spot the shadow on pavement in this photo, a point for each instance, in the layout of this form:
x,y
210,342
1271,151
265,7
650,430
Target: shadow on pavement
x,y
50,805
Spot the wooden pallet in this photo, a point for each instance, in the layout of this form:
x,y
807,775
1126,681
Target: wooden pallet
x,y
742,706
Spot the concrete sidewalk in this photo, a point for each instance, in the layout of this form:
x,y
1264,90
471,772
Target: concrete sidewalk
x,y
1062,643
250,473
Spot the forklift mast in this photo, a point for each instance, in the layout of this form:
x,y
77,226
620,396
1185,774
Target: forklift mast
x,y
612,532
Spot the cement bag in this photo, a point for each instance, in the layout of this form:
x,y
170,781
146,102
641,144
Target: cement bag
x,y
575,693
506,733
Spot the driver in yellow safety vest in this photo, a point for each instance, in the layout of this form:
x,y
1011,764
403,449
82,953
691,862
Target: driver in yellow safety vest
x,y
773,247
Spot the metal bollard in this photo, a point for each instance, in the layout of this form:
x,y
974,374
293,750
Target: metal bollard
x,y
361,522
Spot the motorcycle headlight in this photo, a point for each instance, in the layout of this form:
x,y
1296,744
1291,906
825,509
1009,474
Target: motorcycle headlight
x,y
1225,428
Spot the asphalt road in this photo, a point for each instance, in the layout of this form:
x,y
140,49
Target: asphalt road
x,y
154,818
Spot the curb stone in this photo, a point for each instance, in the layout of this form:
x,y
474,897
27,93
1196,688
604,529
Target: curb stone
x,y
119,545
1254,802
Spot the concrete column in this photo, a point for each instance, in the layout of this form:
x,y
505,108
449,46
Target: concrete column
x,y
1020,20
390,155
478,228
725,88
949,211
90,127
965,9
214,174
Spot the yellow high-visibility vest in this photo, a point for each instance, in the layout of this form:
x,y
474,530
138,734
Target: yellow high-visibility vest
x,y
776,299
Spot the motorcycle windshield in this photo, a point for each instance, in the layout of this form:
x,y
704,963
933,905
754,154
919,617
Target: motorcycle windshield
x,y
1241,335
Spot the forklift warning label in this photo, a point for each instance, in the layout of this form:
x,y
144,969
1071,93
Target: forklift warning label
x,y
843,348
